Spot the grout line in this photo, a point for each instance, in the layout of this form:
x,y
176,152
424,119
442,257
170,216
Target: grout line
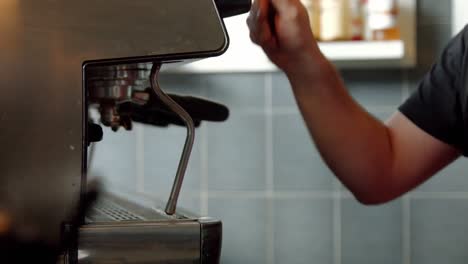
x,y
406,202
439,195
290,110
247,110
300,195
337,231
405,89
269,133
265,194
319,195
290,195
204,177
269,170
379,109
345,194
285,110
140,158
406,230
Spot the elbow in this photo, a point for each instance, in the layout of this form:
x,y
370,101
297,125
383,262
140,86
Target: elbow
x,y
371,200
375,195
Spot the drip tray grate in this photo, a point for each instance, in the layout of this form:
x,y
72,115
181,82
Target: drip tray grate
x,y
110,208
110,211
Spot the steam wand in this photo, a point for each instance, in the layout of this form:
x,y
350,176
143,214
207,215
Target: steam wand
x,y
184,159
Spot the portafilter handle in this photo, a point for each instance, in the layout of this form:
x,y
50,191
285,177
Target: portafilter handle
x,y
187,119
228,8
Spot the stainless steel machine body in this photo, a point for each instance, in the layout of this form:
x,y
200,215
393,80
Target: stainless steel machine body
x,y
118,231
45,48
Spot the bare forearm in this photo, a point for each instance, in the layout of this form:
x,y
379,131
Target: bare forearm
x,y
376,162
355,145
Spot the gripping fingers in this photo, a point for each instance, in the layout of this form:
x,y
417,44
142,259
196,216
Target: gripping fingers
x,y
260,31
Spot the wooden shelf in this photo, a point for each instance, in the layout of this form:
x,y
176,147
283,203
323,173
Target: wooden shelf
x,y
244,56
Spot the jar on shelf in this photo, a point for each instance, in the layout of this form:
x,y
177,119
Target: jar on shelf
x,y
383,20
334,20
367,34
356,14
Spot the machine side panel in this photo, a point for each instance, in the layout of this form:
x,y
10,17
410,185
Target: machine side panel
x,y
157,242
43,46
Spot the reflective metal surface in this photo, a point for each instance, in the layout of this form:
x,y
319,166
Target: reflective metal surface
x,y
141,242
44,48
119,231
109,86
189,140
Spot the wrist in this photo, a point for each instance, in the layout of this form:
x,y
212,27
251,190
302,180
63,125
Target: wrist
x,y
311,68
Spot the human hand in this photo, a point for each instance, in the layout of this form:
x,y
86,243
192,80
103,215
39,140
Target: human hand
x,y
282,29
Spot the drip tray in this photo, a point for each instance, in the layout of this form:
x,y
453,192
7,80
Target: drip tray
x,y
111,208
119,231
105,211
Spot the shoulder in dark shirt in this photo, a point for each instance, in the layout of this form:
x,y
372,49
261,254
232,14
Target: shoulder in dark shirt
x,y
439,104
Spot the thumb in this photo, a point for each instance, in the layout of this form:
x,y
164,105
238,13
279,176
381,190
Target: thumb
x,y
284,7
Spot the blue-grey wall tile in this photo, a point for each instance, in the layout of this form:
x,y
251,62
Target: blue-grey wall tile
x,y
439,229
371,234
414,78
432,39
382,115
434,12
368,87
451,179
162,150
244,229
297,163
189,84
282,95
190,202
114,158
237,90
303,227
375,88
236,153
303,231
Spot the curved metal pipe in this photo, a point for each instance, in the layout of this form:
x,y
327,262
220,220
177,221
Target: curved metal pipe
x,y
184,159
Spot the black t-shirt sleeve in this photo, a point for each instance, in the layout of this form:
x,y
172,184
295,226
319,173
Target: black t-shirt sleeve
x,y
435,106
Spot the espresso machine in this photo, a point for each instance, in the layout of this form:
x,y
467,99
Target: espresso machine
x,y
59,59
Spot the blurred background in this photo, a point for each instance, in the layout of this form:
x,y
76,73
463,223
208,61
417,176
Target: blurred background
x,y
260,173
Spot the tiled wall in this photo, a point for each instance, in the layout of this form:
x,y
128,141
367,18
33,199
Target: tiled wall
x,y
260,173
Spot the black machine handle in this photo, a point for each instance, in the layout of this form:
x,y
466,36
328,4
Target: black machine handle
x,y
228,8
